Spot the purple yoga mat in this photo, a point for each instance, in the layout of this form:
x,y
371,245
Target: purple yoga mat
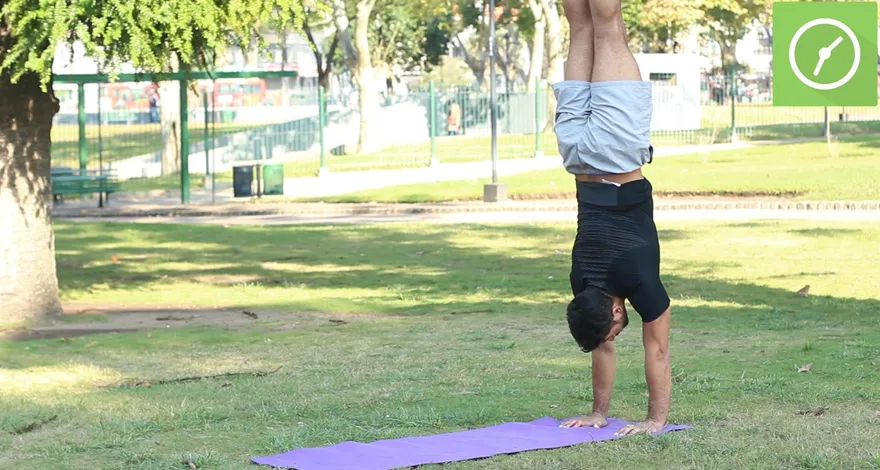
x,y
507,438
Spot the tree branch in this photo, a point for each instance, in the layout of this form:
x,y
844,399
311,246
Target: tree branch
x,y
315,50
144,383
343,32
331,53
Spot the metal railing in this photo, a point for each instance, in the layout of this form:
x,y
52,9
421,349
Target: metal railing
x,y
228,118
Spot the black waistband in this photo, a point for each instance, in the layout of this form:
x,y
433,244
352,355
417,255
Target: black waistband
x,y
611,195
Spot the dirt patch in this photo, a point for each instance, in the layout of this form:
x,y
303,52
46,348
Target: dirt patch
x,y
675,195
227,279
671,196
729,194
129,319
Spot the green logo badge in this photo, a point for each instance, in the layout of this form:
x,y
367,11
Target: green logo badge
x,y
824,54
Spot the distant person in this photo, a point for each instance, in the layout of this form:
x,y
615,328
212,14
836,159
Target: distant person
x,y
154,105
453,120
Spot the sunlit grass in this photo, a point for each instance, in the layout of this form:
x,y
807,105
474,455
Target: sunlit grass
x,y
803,171
445,328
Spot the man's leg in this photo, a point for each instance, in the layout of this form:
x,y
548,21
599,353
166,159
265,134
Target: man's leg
x,y
617,139
613,59
573,95
579,65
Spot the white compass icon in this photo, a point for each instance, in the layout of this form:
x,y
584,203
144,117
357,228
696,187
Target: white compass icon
x,y
824,54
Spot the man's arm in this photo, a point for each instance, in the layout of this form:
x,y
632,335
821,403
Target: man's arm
x,y
658,372
604,370
658,369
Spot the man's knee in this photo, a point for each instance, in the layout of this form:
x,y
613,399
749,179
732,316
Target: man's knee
x,y
605,13
577,12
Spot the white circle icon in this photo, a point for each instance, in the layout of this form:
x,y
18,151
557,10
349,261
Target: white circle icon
x,y
824,54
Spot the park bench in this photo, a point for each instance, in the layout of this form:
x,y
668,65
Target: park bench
x,y
68,181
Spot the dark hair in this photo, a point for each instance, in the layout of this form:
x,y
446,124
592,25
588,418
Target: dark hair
x,y
590,318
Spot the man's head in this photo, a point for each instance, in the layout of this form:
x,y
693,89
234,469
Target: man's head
x,y
595,317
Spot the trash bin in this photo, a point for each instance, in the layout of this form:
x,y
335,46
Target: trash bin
x,y
243,180
273,180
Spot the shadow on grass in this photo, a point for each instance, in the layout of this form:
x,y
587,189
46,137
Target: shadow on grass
x,y
825,232
424,268
132,256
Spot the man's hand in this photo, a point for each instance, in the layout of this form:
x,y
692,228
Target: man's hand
x,y
594,420
645,427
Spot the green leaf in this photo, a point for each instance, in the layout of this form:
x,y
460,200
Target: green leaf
x,y
144,33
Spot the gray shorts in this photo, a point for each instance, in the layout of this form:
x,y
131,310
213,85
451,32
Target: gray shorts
x,y
603,127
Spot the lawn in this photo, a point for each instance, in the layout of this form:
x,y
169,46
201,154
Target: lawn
x,y
467,149
119,142
442,327
754,122
757,122
804,171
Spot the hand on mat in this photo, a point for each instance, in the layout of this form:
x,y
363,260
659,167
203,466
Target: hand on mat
x,y
592,421
645,427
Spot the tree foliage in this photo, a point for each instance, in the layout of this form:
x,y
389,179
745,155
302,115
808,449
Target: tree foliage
x,y
412,34
659,23
727,21
144,33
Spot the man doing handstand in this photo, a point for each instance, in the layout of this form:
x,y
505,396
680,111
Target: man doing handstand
x,y
602,124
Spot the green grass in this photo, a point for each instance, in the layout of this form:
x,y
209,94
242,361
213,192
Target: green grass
x,y
466,149
754,122
465,328
169,182
803,171
119,142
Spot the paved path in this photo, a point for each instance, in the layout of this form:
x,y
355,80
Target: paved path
x,y
336,183
498,217
364,209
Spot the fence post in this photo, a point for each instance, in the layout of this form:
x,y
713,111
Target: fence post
x,y
432,121
733,137
184,143
205,141
463,99
81,110
539,151
322,120
213,141
827,132
100,148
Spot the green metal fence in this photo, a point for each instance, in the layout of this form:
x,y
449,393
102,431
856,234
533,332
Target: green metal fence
x,y
221,117
228,118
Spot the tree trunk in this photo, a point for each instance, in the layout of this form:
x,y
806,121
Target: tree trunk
x,y
357,56
368,103
322,59
477,64
556,70
169,108
368,98
285,81
324,80
536,62
169,105
728,54
28,280
556,60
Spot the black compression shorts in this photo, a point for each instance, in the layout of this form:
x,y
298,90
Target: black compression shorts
x,y
617,249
